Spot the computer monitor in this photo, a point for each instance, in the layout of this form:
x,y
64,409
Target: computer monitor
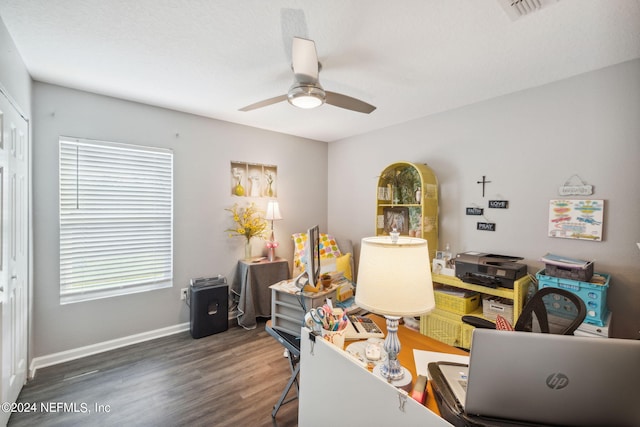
x,y
311,260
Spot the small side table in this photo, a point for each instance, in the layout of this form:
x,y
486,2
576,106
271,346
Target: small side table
x,y
251,286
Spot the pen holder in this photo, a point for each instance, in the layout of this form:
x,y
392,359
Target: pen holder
x,y
334,337
325,279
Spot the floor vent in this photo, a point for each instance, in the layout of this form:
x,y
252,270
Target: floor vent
x,y
516,9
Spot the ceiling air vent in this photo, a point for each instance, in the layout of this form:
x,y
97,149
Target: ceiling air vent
x,y
518,8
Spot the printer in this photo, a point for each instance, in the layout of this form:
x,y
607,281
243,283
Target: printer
x,y
489,269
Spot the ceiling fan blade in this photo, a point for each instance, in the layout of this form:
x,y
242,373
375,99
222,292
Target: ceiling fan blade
x,y
347,102
304,60
264,103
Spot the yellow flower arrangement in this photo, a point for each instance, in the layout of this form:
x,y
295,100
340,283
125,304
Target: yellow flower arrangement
x,y
249,222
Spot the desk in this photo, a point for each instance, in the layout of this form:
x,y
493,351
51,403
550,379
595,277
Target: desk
x,y
327,370
413,340
251,291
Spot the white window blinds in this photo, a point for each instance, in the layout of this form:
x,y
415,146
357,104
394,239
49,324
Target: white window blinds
x,y
116,219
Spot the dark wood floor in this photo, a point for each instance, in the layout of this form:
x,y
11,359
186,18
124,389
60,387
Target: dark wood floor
x,y
228,379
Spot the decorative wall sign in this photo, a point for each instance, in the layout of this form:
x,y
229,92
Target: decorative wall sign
x,y
253,179
475,211
486,226
498,204
571,188
576,219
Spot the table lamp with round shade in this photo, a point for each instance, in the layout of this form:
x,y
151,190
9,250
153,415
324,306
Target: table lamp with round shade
x,y
273,214
394,280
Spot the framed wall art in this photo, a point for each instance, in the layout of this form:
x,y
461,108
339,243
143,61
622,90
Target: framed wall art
x,y
253,180
576,219
396,217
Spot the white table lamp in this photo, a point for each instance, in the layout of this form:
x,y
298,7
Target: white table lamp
x,y
273,213
394,280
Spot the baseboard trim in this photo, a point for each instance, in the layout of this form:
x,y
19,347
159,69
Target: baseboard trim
x,y
77,353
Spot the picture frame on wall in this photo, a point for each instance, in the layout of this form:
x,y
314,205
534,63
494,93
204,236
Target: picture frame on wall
x,y
253,179
396,217
580,219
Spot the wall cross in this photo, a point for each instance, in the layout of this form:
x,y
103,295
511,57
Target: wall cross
x,y
483,182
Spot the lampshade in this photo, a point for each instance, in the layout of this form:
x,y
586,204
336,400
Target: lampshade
x,y
394,279
273,211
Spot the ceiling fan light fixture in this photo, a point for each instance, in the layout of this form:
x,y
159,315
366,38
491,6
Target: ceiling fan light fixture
x,y
306,91
306,96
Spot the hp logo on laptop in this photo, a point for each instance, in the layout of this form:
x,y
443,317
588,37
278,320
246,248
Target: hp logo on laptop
x,y
557,381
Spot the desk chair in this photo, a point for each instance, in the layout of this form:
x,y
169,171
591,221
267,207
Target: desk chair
x,y
549,311
292,344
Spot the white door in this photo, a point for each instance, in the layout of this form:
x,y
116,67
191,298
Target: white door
x,y
14,248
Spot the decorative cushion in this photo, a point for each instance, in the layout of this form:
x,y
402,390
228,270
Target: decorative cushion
x,y
328,246
341,264
329,250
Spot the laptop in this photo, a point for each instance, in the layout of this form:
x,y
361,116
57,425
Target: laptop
x,y
549,379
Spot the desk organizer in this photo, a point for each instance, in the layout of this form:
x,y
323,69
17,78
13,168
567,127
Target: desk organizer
x,y
443,326
581,274
456,303
593,293
492,306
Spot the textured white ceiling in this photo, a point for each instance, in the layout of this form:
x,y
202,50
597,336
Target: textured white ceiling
x,y
410,58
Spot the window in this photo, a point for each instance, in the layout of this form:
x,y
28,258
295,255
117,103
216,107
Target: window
x,y
116,219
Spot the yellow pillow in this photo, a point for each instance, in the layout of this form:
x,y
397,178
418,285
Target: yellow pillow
x,y
343,264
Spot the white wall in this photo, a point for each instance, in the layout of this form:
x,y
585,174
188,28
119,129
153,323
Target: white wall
x,y
203,149
528,144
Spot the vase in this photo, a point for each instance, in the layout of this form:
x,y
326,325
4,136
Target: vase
x,y
269,190
255,186
247,250
239,190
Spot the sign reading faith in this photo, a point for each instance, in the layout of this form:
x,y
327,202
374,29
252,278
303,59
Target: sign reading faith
x,y
475,211
498,204
486,226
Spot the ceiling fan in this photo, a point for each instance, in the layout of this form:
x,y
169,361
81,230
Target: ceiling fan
x,y
306,91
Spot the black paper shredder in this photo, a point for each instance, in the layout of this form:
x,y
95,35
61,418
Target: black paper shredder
x,y
208,302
